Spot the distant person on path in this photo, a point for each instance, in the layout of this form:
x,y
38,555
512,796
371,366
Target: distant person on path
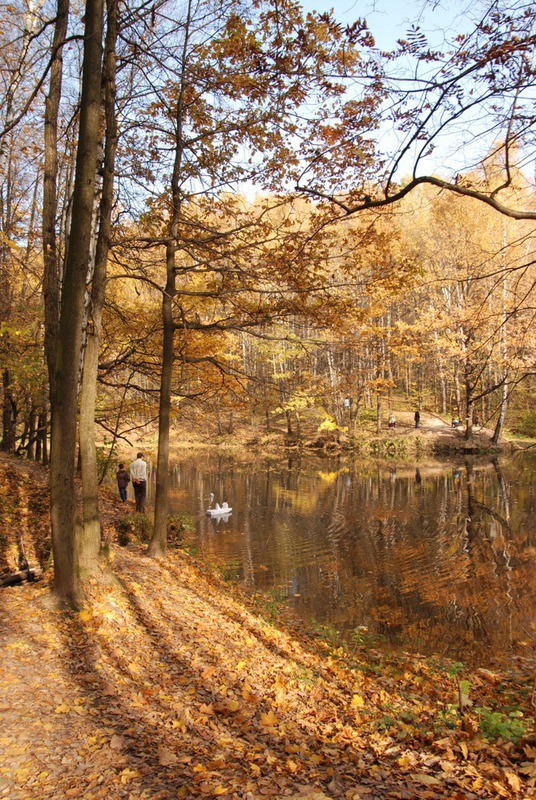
x,y
123,479
392,422
417,418
138,475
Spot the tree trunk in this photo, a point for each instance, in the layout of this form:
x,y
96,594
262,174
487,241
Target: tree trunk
x,y
457,392
378,413
89,545
51,274
503,344
32,435
23,438
470,407
90,535
289,422
502,414
469,399
157,545
8,415
65,524
41,445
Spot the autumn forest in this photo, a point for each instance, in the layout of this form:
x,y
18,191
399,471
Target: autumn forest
x,y
246,221
213,212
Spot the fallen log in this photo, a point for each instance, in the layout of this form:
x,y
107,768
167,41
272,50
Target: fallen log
x,y
19,577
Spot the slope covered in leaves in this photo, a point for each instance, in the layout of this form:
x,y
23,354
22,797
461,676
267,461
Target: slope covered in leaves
x,y
167,686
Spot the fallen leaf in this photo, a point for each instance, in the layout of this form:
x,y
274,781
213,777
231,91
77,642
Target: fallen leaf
x,y
166,757
513,780
489,676
423,777
128,774
117,742
269,720
208,672
500,789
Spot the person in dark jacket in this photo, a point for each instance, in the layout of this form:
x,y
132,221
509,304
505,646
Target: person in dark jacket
x,y
123,479
417,418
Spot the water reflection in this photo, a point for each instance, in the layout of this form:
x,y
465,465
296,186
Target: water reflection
x,y
436,558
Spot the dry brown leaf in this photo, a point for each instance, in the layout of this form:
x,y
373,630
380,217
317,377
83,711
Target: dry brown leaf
x,y
166,757
117,742
423,777
489,676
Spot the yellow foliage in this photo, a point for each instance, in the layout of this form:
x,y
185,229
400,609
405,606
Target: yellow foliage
x,y
328,424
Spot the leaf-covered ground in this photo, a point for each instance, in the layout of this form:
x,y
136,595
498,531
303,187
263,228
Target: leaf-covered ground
x,y
167,686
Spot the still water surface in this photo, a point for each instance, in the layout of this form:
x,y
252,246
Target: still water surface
x,y
438,559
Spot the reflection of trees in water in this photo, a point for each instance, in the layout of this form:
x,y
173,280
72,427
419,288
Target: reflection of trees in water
x,y
435,559
450,575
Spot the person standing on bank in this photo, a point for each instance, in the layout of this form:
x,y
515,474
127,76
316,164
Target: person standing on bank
x,y
138,476
123,479
417,418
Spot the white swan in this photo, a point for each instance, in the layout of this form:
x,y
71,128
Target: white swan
x,y
219,510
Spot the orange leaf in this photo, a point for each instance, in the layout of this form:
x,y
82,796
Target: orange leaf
x,y
269,720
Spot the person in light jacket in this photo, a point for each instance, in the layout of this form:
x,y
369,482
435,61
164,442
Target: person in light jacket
x,y
138,476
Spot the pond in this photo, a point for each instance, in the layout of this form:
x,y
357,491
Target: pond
x,y
434,558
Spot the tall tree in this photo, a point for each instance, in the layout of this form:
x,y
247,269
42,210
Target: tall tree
x,y
90,539
51,254
65,523
244,74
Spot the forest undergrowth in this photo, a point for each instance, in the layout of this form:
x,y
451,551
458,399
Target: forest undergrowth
x,y
169,684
